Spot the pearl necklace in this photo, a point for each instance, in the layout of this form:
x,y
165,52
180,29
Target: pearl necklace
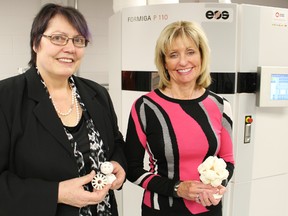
x,y
73,99
77,110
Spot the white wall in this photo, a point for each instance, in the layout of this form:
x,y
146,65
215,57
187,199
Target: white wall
x,y
15,22
95,64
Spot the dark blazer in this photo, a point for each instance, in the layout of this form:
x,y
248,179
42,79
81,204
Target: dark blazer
x,y
35,154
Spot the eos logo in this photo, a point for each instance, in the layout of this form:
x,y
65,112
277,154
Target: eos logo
x,y
217,14
279,15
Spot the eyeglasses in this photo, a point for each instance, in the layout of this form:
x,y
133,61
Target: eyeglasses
x,y
62,40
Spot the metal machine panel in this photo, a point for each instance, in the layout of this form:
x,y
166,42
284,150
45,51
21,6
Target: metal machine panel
x,y
141,27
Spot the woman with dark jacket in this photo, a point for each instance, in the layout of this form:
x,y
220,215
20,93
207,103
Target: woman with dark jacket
x,y
56,128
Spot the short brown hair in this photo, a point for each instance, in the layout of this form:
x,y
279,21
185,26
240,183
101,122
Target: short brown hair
x,y
42,19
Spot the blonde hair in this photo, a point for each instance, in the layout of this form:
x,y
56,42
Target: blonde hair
x,y
182,29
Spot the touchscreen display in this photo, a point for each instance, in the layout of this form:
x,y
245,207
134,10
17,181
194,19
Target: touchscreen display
x,y
279,87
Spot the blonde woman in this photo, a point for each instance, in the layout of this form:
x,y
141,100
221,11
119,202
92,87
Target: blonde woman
x,y
179,125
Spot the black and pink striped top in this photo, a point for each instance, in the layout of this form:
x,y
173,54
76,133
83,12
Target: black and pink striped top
x,y
177,136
